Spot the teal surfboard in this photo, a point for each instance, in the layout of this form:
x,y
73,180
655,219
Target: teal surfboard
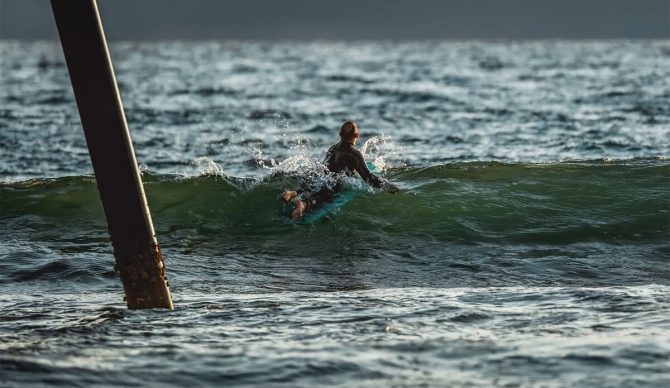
x,y
339,201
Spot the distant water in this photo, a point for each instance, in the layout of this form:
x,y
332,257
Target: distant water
x,y
529,245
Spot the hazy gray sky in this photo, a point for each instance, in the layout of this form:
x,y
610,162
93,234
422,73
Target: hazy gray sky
x,y
354,19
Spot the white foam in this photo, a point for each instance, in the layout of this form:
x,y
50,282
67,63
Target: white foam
x,y
208,167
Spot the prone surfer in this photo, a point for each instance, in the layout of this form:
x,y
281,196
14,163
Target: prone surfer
x,y
343,159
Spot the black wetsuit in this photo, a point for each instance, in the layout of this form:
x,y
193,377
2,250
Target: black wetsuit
x,y
342,159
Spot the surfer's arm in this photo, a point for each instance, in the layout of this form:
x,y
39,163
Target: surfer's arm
x,y
372,179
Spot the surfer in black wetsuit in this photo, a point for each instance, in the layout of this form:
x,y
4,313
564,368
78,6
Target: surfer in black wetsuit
x,y
342,158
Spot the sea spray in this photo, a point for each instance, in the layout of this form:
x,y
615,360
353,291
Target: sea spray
x,y
208,167
383,151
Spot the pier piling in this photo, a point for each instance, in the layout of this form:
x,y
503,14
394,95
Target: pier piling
x,y
138,257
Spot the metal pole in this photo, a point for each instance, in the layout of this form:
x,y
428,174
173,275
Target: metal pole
x,y
138,257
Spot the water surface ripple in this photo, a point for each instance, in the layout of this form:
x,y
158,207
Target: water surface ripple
x,y
528,246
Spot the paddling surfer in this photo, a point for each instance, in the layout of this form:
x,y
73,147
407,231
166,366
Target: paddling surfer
x,y
341,158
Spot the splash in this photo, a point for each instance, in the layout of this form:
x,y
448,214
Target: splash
x,y
300,164
208,167
276,127
143,169
382,151
311,174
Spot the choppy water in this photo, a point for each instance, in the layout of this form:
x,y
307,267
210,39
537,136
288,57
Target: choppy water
x,y
528,245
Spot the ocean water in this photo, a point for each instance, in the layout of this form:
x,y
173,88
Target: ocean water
x,y
529,244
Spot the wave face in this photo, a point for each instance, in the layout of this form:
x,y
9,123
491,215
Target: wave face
x,y
616,210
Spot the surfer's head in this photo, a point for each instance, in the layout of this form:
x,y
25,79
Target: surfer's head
x,y
349,132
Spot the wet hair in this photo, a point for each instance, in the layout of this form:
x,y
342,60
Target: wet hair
x,y
348,130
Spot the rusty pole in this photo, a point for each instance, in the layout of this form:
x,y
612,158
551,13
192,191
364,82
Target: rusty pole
x,y
138,256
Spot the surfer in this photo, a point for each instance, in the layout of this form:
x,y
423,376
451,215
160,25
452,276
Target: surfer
x,y
343,159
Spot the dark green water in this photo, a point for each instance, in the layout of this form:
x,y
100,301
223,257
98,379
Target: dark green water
x,y
617,211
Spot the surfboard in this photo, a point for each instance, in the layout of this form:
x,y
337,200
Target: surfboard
x,y
330,208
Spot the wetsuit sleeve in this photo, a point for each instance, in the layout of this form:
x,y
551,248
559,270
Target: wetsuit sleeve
x,y
364,172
